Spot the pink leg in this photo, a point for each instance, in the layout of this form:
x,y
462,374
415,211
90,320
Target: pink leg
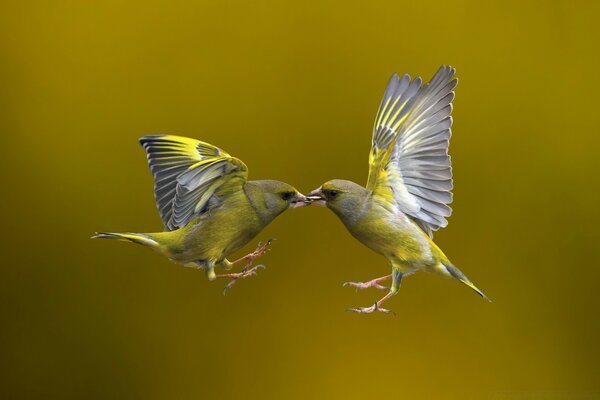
x,y
375,307
396,279
260,250
246,271
372,283
240,275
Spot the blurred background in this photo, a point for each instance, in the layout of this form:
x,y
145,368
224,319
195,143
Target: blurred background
x,y
292,89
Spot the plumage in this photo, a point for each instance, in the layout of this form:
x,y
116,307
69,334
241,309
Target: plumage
x,y
186,173
409,186
208,207
419,134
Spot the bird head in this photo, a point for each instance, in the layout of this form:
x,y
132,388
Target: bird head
x,y
279,196
341,196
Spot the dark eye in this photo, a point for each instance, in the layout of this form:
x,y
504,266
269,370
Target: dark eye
x,y
331,194
287,195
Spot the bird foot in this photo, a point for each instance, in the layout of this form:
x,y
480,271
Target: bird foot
x,y
260,250
249,258
374,283
240,275
369,310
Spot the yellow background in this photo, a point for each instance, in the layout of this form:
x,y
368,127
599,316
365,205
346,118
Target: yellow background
x,y
292,89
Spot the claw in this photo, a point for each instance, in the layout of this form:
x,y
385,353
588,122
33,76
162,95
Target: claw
x,y
369,310
241,275
373,283
247,271
365,285
260,250
249,258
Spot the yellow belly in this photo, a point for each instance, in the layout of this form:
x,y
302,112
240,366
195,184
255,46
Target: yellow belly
x,y
216,234
394,236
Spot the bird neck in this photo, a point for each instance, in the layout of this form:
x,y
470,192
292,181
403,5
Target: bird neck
x,y
259,202
352,208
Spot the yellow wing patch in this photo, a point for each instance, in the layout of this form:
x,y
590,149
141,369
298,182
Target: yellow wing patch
x,y
409,165
186,174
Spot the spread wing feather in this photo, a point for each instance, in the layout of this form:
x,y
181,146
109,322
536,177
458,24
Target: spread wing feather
x,y
409,165
186,173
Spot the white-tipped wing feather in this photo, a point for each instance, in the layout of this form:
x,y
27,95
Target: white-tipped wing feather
x,y
186,173
409,165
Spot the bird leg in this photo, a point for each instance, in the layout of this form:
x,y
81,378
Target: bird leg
x,y
375,307
246,272
396,279
372,283
260,250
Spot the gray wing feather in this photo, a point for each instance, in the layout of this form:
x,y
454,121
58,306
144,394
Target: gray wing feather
x,y
193,191
185,173
416,118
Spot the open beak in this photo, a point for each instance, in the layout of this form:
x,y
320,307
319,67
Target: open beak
x,y
316,197
298,201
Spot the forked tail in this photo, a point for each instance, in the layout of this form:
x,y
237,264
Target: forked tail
x,y
457,274
138,238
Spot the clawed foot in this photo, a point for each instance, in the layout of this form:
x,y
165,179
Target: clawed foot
x,y
247,271
261,249
368,310
365,285
374,283
240,275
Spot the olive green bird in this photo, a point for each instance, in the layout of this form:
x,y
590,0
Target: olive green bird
x,y
209,208
409,184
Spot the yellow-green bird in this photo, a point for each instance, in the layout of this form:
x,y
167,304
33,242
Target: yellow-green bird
x,y
409,184
208,207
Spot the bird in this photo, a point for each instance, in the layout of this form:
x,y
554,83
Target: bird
x,y
409,186
208,207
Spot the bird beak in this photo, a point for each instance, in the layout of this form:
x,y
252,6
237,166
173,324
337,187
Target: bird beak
x,y
316,197
298,201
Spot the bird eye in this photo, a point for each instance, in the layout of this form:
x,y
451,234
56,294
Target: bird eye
x,y
286,195
331,194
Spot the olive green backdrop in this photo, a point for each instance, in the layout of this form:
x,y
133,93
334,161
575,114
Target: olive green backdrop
x,y
292,89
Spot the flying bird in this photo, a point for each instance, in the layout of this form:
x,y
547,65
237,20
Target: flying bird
x,y
409,185
208,207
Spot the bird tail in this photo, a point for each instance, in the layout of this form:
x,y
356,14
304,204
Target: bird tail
x,y
139,238
457,274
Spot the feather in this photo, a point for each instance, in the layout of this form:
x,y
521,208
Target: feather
x,y
409,159
186,173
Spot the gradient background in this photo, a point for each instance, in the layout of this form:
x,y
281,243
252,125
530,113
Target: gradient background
x,y
292,89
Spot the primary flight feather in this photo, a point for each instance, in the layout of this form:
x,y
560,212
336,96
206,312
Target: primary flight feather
x,y
409,186
208,207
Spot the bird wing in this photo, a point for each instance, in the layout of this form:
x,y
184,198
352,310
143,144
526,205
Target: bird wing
x,y
409,165
187,172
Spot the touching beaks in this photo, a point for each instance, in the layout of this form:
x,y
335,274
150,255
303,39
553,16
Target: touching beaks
x,y
316,197
298,201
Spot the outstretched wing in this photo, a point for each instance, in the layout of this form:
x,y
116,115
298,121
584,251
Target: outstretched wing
x,y
409,165
186,174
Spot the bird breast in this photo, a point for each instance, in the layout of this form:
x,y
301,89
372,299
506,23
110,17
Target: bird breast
x,y
389,233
